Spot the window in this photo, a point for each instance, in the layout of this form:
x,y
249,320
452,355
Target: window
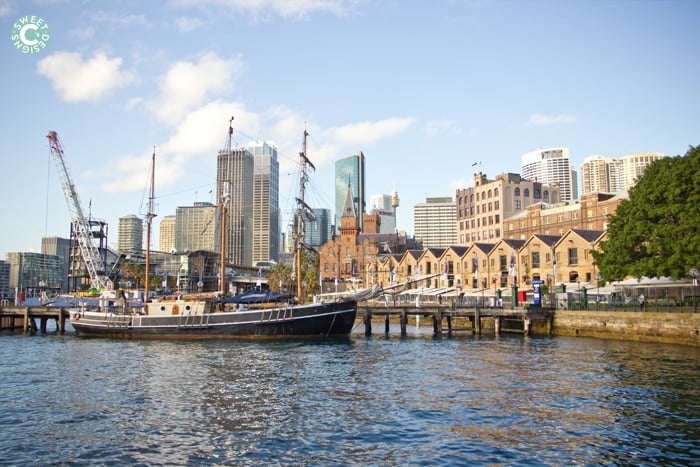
x,y
535,259
573,257
526,193
517,204
516,192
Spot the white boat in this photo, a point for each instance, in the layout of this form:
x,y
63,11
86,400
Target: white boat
x,y
219,316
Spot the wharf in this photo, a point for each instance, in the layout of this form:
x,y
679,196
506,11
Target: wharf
x,y
26,317
504,320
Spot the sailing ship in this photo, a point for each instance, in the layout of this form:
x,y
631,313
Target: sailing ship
x,y
259,315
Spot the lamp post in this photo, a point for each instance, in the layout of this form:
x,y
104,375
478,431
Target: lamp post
x,y
694,274
493,279
578,282
597,294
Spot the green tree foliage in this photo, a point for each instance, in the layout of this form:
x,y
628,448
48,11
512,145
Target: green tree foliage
x,y
280,274
656,232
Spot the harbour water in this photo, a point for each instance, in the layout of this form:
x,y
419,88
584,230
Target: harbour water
x,y
383,400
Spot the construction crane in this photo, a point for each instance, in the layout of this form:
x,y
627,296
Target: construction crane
x,y
83,231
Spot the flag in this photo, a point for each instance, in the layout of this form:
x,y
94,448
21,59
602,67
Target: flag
x,y
476,268
320,279
393,276
554,267
447,269
416,272
511,269
259,281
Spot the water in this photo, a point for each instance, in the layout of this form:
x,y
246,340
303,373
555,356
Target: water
x,y
358,401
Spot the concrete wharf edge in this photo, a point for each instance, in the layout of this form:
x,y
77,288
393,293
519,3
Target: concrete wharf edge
x,y
665,327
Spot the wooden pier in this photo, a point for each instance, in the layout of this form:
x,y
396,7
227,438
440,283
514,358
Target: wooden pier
x,y
26,317
504,320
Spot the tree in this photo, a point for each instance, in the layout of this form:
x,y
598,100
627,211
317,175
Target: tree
x,y
656,232
280,274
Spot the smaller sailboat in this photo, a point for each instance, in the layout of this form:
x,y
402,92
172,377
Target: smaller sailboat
x,y
251,316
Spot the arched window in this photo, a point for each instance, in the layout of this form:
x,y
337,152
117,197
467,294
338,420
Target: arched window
x,y
526,193
516,192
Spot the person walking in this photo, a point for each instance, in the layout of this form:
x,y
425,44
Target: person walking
x,y
642,302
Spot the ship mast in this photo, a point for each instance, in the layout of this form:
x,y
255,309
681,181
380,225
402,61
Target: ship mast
x,y
302,207
149,219
225,196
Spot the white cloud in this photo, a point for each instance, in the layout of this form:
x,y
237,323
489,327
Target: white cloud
x,y
118,20
6,7
75,79
198,137
542,120
365,133
283,8
188,24
187,84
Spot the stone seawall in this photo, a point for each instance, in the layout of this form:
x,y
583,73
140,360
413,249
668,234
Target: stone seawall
x,y
671,328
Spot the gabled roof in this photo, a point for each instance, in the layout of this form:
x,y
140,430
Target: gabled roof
x,y
437,252
514,243
458,249
484,247
548,240
589,235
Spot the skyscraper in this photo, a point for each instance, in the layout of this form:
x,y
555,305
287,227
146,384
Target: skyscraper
x,y
381,204
549,167
196,227
612,174
166,241
318,231
266,212
234,180
350,171
435,222
130,235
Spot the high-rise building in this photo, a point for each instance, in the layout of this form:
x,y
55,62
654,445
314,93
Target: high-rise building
x,y
130,235
550,167
196,227
266,212
5,291
382,205
481,209
319,230
166,233
234,181
56,246
350,171
612,174
35,270
435,222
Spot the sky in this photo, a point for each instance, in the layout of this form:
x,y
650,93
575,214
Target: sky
x,y
431,93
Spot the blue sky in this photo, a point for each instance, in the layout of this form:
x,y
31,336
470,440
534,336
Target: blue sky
x,y
424,89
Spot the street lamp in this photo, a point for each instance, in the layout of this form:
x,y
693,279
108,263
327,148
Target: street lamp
x,y
493,279
578,281
694,274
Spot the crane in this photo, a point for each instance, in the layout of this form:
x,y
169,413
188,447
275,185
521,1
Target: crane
x,y
83,232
